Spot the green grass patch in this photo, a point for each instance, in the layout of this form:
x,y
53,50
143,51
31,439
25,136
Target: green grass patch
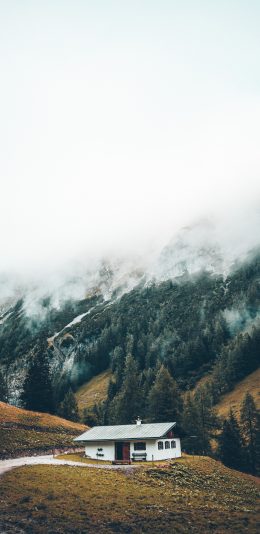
x,y
80,457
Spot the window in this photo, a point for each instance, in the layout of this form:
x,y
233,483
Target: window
x,y
167,444
140,446
160,445
173,444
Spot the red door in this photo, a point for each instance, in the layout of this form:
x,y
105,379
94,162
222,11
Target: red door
x,y
126,450
122,450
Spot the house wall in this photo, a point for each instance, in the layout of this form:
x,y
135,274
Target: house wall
x,y
152,451
165,454
108,447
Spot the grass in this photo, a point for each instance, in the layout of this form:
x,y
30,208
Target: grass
x,y
234,398
22,431
191,495
12,414
94,391
79,457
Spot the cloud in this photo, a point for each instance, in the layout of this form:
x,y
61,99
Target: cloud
x,y
120,126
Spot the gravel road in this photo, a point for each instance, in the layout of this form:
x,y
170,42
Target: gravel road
x,y
7,465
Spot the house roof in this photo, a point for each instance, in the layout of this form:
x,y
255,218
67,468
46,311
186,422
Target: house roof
x,y
121,432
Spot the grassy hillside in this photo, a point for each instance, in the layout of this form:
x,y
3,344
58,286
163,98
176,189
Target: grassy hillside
x,y
234,398
191,495
24,431
94,391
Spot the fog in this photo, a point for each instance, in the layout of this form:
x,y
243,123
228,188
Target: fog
x,y
122,122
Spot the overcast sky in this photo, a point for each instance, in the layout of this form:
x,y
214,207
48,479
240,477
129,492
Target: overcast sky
x,y
121,121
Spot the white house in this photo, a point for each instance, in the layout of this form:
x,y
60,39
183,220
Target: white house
x,y
125,443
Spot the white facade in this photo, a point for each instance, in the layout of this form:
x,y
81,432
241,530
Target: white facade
x,y
108,450
159,449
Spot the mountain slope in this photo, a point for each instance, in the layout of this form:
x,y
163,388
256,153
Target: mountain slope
x,y
233,399
188,323
95,391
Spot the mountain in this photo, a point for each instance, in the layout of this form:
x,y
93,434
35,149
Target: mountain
x,y
189,307
193,250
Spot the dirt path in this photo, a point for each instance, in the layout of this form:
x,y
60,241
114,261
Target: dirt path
x,y
6,465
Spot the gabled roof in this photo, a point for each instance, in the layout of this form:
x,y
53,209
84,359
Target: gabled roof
x,y
121,432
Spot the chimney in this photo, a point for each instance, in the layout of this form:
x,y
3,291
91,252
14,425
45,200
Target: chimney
x,y
138,421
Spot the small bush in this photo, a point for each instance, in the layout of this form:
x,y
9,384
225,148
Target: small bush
x,y
25,499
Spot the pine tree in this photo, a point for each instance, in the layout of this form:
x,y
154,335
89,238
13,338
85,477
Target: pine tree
x,y
164,399
37,392
258,444
191,425
3,388
94,415
69,407
117,365
230,447
127,405
199,422
208,421
249,419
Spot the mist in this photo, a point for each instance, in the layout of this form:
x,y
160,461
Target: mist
x,y
120,125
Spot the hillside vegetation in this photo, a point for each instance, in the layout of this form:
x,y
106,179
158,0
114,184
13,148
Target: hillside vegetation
x,y
192,325
233,399
25,432
94,391
190,495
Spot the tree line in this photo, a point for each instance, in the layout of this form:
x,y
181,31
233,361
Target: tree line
x,y
239,440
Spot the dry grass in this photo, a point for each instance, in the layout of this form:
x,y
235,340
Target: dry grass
x,y
190,496
234,398
80,457
23,431
11,414
20,442
94,391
